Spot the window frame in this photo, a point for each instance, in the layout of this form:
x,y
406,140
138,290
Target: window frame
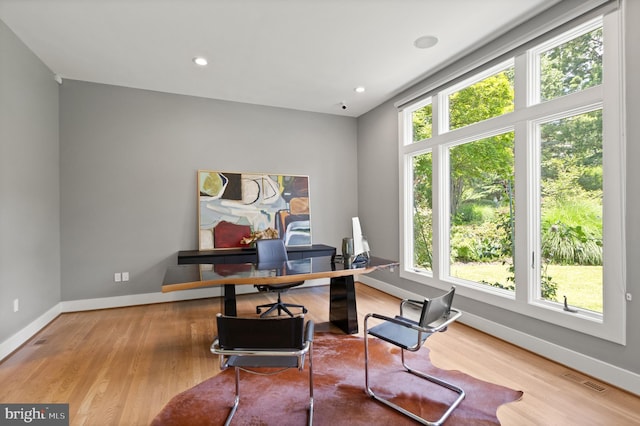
x,y
445,265
444,118
409,123
527,114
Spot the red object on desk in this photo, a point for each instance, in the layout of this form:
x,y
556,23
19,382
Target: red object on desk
x,y
228,235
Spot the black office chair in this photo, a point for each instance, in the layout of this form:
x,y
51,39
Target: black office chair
x,y
272,253
278,343
436,315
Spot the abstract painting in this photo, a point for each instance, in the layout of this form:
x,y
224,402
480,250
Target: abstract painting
x,y
233,206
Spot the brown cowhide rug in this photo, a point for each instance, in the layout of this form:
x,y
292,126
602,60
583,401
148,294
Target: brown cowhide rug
x,y
339,396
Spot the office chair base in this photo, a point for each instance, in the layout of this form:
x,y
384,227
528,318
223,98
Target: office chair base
x,y
414,416
437,381
280,306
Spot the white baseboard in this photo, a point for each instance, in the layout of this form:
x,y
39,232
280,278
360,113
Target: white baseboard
x,y
22,336
150,298
137,299
596,368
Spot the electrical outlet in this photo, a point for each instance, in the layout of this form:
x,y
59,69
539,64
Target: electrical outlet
x,y
125,276
117,277
16,305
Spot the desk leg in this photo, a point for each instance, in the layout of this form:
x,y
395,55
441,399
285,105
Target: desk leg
x,y
342,304
230,300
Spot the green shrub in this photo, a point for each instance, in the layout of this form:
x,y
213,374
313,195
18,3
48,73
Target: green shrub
x,y
572,232
470,213
591,179
571,245
477,243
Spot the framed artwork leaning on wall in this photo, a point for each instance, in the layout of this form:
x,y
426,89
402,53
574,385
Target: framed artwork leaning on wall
x,y
233,207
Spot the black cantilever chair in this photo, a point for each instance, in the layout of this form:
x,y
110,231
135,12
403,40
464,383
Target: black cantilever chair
x,y
276,343
272,253
436,315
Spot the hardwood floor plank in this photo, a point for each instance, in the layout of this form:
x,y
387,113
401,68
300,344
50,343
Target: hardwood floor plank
x,y
121,366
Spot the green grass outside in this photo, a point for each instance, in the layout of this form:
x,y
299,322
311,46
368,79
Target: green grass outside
x,y
581,284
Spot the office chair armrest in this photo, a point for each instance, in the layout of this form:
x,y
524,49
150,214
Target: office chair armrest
x,y
308,331
226,355
454,314
216,349
405,322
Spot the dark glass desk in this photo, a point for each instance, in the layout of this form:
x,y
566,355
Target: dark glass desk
x,y
342,304
247,255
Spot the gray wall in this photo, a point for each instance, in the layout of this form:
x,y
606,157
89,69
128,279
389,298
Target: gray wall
x,y
378,177
29,188
128,161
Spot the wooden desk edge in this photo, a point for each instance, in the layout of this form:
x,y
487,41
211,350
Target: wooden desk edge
x,y
166,288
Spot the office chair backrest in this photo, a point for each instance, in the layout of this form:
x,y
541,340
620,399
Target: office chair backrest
x,y
437,308
260,333
271,251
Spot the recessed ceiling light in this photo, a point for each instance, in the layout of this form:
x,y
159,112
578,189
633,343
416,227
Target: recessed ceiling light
x,y
199,60
425,42
359,89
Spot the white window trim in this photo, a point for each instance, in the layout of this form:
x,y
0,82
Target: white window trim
x,y
611,324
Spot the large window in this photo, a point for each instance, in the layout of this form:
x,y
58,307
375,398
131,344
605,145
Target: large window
x,y
512,185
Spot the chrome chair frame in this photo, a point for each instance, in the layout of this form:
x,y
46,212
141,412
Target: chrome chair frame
x,y
281,358
422,332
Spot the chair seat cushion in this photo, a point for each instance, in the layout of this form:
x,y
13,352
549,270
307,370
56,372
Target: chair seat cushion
x,y
285,361
399,335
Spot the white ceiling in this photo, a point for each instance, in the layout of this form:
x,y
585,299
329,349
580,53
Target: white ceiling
x,y
301,54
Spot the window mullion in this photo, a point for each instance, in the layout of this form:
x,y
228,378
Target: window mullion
x,y
440,199
524,87
531,226
438,180
441,115
404,160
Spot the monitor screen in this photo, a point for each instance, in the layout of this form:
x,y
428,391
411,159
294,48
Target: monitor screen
x,y
360,245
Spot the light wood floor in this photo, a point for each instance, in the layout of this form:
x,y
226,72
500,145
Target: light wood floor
x,y
121,366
